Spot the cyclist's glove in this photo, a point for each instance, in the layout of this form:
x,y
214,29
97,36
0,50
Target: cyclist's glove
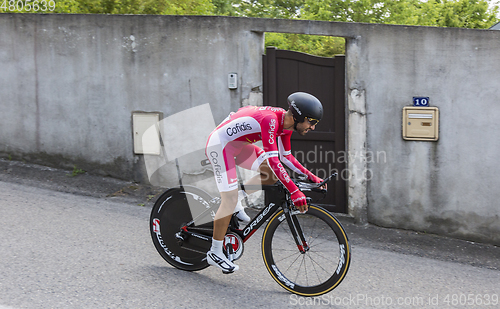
x,y
314,178
298,198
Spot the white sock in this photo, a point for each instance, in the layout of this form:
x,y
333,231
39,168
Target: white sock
x,y
216,257
217,246
241,195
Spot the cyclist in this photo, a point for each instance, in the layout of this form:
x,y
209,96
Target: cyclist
x,y
232,143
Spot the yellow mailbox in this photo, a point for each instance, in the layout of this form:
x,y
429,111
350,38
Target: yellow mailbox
x,y
420,123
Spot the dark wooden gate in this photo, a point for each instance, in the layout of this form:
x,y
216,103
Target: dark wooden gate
x,y
321,151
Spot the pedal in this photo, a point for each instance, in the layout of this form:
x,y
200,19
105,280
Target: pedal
x,y
233,246
229,252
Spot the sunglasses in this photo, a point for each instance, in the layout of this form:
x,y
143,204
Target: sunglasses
x,y
312,121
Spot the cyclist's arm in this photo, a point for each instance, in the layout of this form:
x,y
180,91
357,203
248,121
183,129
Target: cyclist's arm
x,y
269,128
285,151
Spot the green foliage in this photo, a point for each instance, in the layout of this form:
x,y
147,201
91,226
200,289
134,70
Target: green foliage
x,y
463,14
159,7
76,172
224,8
286,9
323,46
438,13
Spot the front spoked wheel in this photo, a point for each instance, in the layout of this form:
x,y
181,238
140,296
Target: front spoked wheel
x,y
318,270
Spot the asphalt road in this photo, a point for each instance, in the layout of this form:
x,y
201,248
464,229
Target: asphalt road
x,y
65,250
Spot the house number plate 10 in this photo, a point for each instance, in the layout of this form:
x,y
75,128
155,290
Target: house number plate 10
x,y
421,101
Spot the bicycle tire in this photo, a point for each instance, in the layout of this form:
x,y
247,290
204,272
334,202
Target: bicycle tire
x,y
170,212
322,267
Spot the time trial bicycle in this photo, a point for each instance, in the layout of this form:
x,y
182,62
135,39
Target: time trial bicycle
x,y
307,254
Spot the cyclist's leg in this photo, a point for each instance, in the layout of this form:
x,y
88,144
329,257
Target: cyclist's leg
x,y
216,256
253,158
222,160
267,176
249,157
224,213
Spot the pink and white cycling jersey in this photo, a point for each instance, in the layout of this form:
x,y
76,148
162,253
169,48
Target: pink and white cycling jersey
x,y
232,143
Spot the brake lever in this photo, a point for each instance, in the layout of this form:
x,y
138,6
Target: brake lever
x,y
316,187
327,180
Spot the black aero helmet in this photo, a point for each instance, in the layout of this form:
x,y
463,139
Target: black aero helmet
x,y
305,105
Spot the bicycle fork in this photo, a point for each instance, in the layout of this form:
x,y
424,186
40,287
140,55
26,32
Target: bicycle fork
x,y
296,230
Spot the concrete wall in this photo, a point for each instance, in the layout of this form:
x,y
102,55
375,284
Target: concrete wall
x,y
73,82
445,187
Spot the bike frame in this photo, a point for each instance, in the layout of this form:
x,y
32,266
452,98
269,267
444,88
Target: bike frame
x,y
280,199
246,232
266,212
274,206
